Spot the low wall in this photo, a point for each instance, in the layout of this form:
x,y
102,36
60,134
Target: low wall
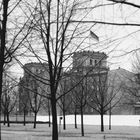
x,y
122,120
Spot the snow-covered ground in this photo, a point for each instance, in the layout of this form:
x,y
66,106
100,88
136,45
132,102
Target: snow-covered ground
x,y
121,120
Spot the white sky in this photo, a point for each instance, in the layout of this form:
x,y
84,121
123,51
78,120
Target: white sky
x,y
122,43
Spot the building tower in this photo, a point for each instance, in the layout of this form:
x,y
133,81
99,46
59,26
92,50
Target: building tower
x,y
87,61
89,68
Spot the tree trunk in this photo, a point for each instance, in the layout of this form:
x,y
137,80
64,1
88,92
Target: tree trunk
x,y
49,119
1,69
110,120
49,113
35,113
110,117
75,114
4,119
64,120
102,122
1,81
2,48
82,122
54,120
8,121
24,122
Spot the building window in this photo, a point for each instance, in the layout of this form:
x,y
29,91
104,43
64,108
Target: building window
x,y
95,62
36,70
91,62
33,70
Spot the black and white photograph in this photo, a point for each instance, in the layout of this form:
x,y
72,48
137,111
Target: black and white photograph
x,y
69,69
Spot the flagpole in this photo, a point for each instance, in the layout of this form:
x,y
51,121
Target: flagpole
x,y
89,41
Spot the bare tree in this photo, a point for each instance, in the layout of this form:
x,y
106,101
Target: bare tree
x,y
131,87
104,95
47,108
9,98
24,104
10,34
66,100
82,99
79,96
58,38
74,105
32,90
126,3
34,99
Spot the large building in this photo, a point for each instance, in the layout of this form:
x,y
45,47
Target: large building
x,y
85,82
33,86
129,104
89,61
91,66
88,67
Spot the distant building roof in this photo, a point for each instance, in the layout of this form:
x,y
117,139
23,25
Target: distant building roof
x,y
121,74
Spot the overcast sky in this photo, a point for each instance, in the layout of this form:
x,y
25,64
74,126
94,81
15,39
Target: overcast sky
x,y
116,41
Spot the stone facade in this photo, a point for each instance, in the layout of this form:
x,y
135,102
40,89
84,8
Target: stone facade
x,y
88,66
129,103
34,82
86,60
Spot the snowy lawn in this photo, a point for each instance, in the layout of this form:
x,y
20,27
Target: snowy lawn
x,y
92,131
43,132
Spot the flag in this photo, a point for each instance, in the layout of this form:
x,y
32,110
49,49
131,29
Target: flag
x,y
94,36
